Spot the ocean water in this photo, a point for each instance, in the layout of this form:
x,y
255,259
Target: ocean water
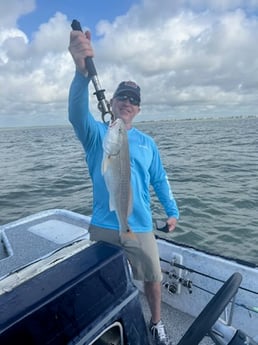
x,y
212,166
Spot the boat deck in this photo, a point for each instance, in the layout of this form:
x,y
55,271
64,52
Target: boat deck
x,y
39,237
176,322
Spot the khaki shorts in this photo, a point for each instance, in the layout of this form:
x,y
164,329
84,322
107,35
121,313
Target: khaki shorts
x,y
142,255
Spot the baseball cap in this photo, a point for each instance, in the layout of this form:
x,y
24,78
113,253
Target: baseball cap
x,y
130,87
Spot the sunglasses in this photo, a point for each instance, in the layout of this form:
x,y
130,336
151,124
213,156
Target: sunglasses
x,y
131,99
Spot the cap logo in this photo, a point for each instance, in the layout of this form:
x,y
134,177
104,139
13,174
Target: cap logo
x,y
131,84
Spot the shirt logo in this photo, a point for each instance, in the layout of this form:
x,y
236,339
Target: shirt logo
x,y
143,147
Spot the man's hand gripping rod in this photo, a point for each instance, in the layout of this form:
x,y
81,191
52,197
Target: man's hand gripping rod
x,y
103,104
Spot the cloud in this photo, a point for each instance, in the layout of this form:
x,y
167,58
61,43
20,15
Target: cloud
x,y
11,10
35,75
191,58
52,36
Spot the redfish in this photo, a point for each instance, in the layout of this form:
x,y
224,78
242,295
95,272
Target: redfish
x,y
117,175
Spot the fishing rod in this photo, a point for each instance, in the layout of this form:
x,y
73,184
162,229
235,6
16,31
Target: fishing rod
x,y
103,104
189,284
190,270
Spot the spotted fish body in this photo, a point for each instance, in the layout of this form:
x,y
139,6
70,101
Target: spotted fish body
x,y
117,175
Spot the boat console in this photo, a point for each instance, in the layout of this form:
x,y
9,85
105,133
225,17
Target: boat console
x,y
65,289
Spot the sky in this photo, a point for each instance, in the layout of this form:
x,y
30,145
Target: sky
x,y
192,58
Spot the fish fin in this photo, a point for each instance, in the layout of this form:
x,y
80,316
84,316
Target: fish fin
x,y
111,204
130,203
104,165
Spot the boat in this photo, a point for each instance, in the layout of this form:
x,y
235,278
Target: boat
x,y
58,287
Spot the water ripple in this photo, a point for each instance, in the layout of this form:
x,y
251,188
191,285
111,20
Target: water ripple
x,y
211,165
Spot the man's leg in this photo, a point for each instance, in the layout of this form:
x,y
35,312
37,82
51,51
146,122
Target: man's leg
x,y
153,294
157,328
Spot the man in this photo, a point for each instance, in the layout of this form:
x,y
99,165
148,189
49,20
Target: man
x,y
146,169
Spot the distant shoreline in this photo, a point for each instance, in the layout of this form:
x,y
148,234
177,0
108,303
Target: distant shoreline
x,y
237,117
204,118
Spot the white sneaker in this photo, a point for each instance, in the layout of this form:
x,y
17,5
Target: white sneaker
x,y
159,334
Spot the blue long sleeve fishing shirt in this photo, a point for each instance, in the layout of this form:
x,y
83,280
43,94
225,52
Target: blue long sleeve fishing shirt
x,y
146,165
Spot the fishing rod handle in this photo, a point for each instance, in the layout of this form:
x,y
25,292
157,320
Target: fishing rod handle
x,y
89,61
103,105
